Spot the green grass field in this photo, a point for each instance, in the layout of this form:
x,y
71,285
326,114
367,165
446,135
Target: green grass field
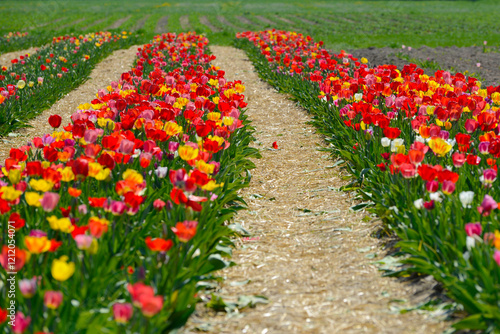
x,y
341,24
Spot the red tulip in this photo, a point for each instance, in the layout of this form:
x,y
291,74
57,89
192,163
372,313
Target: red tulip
x,y
185,231
55,121
158,244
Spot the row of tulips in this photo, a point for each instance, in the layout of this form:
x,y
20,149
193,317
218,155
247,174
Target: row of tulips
x,y
34,82
17,40
113,221
423,152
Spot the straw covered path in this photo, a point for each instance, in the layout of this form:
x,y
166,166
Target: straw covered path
x,y
308,252
108,70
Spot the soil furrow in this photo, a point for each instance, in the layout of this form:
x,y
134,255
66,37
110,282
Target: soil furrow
x,y
265,20
308,252
162,25
245,20
224,21
140,23
184,21
117,24
204,20
103,74
94,24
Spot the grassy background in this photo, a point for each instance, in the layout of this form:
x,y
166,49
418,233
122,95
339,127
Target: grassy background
x,y
341,24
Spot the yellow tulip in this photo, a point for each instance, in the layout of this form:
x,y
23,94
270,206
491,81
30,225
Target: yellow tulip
x,y
204,167
213,116
10,193
172,128
62,269
21,84
67,174
211,185
133,176
187,152
61,224
103,174
94,247
94,168
33,198
14,175
41,185
439,146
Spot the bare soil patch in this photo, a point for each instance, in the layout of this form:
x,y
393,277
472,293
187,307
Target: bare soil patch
x,y
45,24
224,21
245,20
161,26
184,21
308,252
94,24
204,20
117,24
306,21
140,23
71,24
265,20
106,71
5,58
458,59
284,19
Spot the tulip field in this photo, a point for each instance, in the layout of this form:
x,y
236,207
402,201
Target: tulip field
x,y
117,221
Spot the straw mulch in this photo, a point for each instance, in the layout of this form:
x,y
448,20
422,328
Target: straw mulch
x,y
5,58
106,71
308,252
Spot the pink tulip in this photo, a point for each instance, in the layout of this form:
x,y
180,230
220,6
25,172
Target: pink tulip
x,y
126,146
473,229
122,312
21,323
458,159
83,241
432,186
49,201
53,299
448,187
489,176
487,205
117,208
496,257
483,147
82,208
90,136
28,286
159,204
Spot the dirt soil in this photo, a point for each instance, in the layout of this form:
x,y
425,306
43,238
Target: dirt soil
x,y
5,58
106,71
309,254
454,58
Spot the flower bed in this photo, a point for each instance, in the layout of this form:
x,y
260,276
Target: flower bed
x,y
116,218
15,40
422,151
34,82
